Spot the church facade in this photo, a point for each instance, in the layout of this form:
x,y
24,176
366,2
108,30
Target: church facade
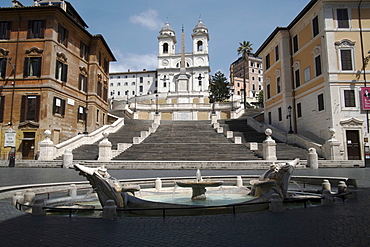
x,y
178,89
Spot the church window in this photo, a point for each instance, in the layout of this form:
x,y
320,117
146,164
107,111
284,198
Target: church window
x,y
165,48
200,46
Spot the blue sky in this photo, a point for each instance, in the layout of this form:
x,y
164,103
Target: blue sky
x,y
131,27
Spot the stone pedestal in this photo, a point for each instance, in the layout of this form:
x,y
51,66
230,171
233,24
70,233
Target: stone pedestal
x,y
213,119
332,147
110,210
46,147
157,119
327,198
239,181
18,197
229,134
326,185
158,184
72,191
67,158
312,159
105,149
37,208
29,196
276,203
269,147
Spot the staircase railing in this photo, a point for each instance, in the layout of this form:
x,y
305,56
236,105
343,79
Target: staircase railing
x,y
285,137
83,139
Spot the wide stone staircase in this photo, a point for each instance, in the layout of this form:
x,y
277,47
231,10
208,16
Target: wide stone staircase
x,y
187,141
131,129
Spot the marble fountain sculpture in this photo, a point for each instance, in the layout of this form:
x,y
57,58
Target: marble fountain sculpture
x,y
274,182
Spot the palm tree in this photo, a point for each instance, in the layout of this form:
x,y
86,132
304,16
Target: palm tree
x,y
244,49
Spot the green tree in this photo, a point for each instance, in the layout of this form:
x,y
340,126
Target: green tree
x,y
260,97
218,88
245,48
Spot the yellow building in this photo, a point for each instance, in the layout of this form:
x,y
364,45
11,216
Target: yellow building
x,y
314,68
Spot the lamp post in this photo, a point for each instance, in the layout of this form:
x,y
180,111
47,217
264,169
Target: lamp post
x,y
13,87
85,112
290,119
135,104
127,96
156,104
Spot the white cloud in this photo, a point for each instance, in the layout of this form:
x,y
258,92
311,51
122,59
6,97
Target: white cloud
x,y
134,62
148,19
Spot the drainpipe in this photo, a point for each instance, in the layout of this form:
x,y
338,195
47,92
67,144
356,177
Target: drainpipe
x,y
363,58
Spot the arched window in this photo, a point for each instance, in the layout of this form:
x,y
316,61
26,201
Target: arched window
x,y
200,45
165,48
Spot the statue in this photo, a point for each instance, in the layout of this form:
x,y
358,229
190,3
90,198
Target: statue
x,y
276,179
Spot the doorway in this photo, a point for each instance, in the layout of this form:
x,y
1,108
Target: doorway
x,y
28,145
353,145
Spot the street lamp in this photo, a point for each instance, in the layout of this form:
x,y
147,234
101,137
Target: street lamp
x,y
13,87
290,119
86,111
135,104
156,104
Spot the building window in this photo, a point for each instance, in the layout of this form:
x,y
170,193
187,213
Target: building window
x,y
32,66
269,118
81,114
133,83
299,110
84,51
349,98
280,114
200,45
62,35
30,108
3,62
141,88
297,78
278,85
318,65
165,48
36,29
267,61
97,115
118,84
61,71
277,53
83,82
320,102
99,88
346,59
342,17
295,44
141,79
268,91
126,83
315,26
5,29
59,106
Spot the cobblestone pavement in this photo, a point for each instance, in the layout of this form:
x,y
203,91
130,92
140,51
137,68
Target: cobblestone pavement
x,y
344,224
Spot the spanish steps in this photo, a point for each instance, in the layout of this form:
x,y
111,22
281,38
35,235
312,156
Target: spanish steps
x,y
188,141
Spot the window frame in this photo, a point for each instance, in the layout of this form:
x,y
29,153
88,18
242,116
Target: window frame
x,y
62,35
320,102
351,99
343,21
34,64
61,71
299,110
59,106
315,26
28,114
36,29
3,63
295,43
5,29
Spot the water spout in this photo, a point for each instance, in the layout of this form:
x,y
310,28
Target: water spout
x,y
198,176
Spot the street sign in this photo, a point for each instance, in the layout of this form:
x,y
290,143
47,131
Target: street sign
x,y
9,140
